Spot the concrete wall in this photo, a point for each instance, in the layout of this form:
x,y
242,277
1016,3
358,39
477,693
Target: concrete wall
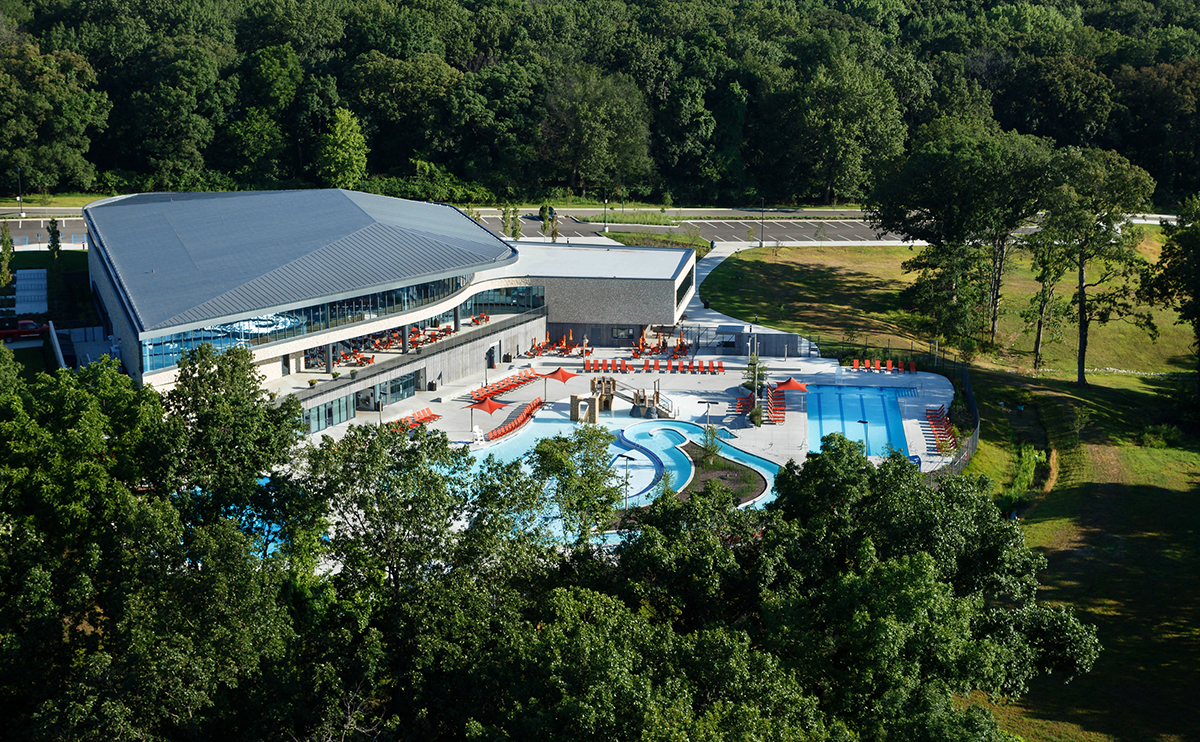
x,y
621,302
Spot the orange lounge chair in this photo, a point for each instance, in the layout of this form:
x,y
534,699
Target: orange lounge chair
x,y
912,367
655,365
721,366
646,365
855,364
712,367
604,365
889,366
877,366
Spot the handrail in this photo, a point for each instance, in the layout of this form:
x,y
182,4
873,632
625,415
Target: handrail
x,y
365,374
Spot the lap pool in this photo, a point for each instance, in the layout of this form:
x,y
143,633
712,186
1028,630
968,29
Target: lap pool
x,y
845,409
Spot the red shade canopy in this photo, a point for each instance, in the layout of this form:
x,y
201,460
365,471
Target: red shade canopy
x,y
792,384
559,374
488,405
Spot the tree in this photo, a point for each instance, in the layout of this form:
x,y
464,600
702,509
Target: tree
x,y
578,474
7,250
842,127
1089,216
755,374
965,190
223,437
597,127
51,109
888,596
342,155
55,238
1175,280
1047,311
116,620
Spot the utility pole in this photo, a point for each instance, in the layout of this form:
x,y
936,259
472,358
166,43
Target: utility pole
x,y
606,209
762,211
20,196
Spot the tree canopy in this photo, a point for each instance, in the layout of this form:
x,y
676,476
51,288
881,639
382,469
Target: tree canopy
x,y
162,576
710,100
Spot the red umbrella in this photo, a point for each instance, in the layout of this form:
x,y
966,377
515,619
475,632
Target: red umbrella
x,y
488,405
559,374
792,385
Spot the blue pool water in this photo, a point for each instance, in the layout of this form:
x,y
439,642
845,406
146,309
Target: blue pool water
x,y
651,446
839,409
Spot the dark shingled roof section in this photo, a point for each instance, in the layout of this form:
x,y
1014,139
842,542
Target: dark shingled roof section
x,y
185,258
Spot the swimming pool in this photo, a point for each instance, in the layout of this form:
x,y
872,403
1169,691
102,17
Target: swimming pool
x,y
843,409
651,446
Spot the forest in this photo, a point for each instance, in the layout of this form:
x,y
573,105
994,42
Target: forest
x,y
705,101
155,585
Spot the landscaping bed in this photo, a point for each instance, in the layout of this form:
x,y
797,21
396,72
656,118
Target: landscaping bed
x,y
745,483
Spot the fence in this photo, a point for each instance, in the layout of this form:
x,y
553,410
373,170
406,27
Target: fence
x,y
928,358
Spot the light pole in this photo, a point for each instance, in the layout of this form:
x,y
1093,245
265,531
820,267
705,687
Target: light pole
x,y
707,412
866,436
762,211
20,196
627,458
606,210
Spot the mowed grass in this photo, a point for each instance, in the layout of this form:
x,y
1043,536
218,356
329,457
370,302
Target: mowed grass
x,y
822,292
1121,526
1121,532
836,292
60,199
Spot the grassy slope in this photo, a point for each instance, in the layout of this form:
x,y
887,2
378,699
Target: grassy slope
x,y
1121,527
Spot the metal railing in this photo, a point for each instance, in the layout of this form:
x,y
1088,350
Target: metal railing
x,y
364,376
929,358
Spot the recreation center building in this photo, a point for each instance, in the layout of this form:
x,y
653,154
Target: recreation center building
x,y
308,279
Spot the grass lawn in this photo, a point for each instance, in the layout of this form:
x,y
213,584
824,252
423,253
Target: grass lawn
x,y
650,239
1120,522
61,199
836,292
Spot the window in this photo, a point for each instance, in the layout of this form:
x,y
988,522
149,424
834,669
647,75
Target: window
x,y
623,333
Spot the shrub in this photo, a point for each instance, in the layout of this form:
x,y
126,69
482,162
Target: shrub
x,y
1162,436
756,416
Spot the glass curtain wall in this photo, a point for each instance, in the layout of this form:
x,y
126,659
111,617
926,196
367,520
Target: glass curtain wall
x,y
164,352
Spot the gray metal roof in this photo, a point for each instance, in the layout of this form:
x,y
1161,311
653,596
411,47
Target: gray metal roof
x,y
189,258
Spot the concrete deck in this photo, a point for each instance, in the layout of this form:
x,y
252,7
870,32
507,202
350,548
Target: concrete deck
x,y
688,391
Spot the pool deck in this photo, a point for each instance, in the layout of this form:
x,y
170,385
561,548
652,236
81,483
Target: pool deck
x,y
688,392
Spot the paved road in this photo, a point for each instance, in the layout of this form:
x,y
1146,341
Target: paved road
x,y
785,231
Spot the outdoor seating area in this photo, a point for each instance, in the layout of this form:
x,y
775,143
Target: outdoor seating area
x,y
879,367
776,406
413,421
657,365
943,432
743,405
564,346
507,384
523,418
663,347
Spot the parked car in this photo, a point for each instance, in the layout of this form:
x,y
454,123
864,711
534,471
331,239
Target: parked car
x,y
22,330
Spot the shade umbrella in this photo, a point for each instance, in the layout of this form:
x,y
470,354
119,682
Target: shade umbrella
x,y
559,374
570,335
792,385
488,405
